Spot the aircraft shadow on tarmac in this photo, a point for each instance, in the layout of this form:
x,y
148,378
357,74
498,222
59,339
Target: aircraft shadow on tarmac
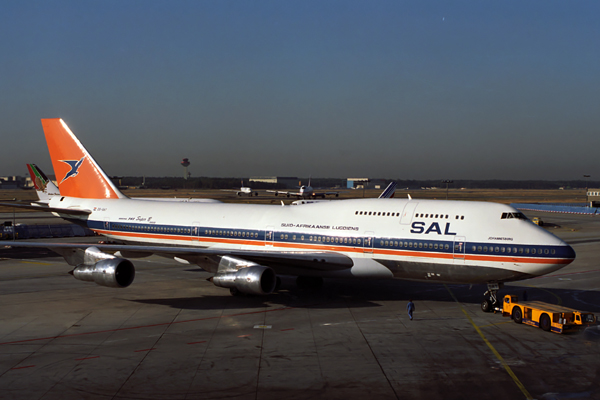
x,y
370,293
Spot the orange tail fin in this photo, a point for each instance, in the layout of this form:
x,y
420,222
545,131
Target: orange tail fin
x,y
77,174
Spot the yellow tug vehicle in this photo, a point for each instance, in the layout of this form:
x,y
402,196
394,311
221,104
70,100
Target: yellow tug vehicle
x,y
549,317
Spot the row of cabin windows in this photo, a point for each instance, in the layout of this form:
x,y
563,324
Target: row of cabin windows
x,y
152,229
442,216
480,249
512,250
243,234
397,214
378,213
322,239
415,245
438,216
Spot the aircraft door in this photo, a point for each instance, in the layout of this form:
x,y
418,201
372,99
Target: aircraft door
x,y
368,240
460,243
408,213
106,224
269,236
195,231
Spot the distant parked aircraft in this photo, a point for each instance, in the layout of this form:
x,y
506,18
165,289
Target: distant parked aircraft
x,y
305,192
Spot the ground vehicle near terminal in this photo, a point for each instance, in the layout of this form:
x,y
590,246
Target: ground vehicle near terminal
x,y
538,221
549,317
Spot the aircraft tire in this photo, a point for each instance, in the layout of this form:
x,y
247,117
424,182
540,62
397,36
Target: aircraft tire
x,y
486,305
517,315
545,323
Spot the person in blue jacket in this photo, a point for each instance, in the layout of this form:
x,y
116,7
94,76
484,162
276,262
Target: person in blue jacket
x,y
410,307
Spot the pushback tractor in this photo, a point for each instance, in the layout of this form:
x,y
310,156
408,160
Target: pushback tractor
x,y
549,317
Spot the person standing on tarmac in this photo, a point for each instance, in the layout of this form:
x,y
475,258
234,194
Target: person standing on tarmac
x,y
410,307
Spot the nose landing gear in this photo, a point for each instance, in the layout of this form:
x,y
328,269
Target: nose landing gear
x,y
490,301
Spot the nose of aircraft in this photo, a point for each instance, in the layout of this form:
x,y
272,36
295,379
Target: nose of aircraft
x,y
569,253
565,255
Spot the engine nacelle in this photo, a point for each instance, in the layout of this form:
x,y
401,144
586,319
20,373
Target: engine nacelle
x,y
111,272
254,279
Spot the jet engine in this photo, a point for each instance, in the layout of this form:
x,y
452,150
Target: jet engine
x,y
104,269
244,276
114,272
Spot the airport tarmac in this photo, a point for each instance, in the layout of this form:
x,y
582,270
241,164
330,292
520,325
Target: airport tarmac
x,y
174,335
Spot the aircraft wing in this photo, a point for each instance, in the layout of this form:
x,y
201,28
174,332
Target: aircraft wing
x,y
313,260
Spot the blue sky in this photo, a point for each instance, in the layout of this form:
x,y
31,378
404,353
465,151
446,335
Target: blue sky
x,y
393,89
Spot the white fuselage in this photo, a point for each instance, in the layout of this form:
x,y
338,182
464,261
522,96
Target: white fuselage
x,y
429,240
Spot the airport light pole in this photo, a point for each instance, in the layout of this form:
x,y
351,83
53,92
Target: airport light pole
x,y
447,182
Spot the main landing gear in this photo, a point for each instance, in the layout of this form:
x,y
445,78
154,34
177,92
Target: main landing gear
x,y
491,302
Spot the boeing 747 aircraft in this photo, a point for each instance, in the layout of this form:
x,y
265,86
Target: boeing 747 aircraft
x,y
246,246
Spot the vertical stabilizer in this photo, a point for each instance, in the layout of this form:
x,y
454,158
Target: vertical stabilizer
x,y
44,187
77,174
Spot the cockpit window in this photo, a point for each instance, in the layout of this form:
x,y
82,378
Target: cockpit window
x,y
517,215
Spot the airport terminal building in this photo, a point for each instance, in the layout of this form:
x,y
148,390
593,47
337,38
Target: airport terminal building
x,y
593,197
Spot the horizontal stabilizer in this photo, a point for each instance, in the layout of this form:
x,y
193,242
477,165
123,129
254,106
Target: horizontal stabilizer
x,y
44,208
